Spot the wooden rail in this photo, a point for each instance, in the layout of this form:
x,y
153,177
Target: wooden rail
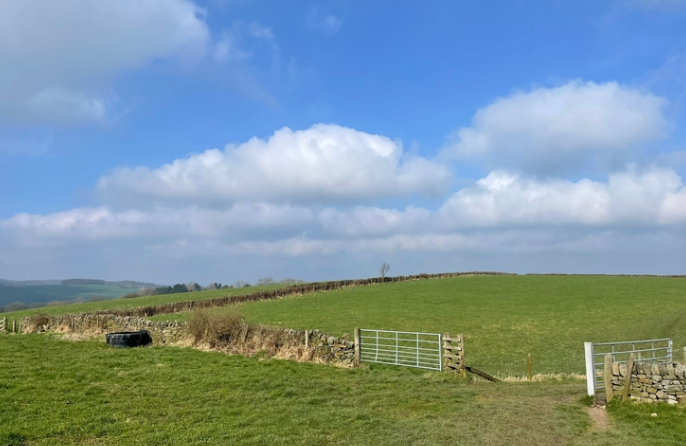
x,y
453,353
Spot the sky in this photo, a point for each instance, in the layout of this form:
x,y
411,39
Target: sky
x,y
225,140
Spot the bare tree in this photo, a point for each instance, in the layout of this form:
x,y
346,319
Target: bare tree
x,y
385,267
266,281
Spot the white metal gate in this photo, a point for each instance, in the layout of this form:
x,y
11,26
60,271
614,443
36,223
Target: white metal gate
x,y
658,351
404,348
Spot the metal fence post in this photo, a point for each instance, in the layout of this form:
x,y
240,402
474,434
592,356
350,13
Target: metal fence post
x,y
440,352
669,352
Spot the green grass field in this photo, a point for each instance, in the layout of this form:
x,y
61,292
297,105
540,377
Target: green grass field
x,y
502,317
135,302
59,392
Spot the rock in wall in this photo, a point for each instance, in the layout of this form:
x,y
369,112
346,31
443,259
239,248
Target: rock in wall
x,y
651,383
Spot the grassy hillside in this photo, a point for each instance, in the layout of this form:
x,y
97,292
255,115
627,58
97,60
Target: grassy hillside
x,y
135,302
502,317
84,393
48,293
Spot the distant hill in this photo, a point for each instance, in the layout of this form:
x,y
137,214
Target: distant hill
x,y
29,282
44,291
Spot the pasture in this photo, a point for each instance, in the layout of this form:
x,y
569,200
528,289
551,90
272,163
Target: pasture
x,y
80,392
503,318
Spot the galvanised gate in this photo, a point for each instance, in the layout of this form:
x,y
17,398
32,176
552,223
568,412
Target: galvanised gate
x,y
403,348
657,351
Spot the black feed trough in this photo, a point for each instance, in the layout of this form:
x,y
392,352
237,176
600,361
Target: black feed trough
x,y
128,338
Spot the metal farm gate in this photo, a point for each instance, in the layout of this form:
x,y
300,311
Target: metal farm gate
x,y
404,348
658,351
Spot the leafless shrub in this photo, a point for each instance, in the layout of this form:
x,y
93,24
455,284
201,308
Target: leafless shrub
x,y
214,329
37,322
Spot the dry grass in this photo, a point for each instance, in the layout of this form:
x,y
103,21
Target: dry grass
x,y
543,377
229,333
215,330
37,322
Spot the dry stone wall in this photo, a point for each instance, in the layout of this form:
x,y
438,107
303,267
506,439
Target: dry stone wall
x,y
163,332
303,345
651,383
293,290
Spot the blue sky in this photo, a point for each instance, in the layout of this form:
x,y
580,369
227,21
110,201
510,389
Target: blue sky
x,y
229,140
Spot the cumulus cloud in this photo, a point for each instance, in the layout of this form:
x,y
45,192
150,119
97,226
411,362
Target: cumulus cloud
x,y
59,57
505,200
498,204
632,220
576,125
103,223
322,163
629,198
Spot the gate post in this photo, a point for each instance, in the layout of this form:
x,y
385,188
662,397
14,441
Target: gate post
x,y
590,368
357,346
460,344
454,354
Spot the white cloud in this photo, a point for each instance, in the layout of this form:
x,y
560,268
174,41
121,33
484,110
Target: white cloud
x,y
322,19
628,199
634,222
104,223
321,164
543,214
57,57
576,125
504,200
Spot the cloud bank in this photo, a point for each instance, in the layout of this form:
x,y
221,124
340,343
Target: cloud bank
x,y
332,198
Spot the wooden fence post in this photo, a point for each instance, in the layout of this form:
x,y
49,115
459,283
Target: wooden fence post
x,y
627,378
608,378
460,343
453,355
357,346
14,326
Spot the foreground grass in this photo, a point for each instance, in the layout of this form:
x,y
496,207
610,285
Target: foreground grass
x,y
144,301
502,317
58,392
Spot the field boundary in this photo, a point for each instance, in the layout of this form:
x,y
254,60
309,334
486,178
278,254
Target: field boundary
x,y
246,339
659,276
293,290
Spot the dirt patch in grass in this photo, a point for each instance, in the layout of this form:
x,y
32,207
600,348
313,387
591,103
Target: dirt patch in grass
x,y
599,418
